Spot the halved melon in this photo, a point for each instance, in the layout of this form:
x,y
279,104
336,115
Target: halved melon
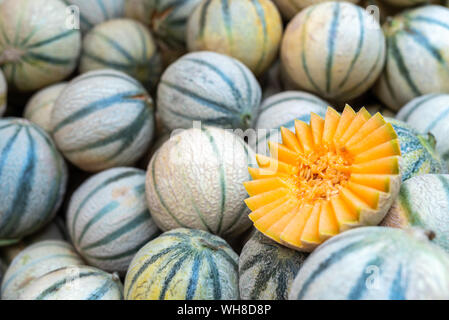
x,y
337,173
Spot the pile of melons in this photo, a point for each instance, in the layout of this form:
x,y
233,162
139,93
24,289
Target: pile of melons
x,y
224,149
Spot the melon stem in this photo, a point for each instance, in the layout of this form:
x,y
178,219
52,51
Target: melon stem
x,y
11,55
206,244
246,121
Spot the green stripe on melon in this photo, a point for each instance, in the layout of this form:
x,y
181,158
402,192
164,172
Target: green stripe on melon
x,y
3,93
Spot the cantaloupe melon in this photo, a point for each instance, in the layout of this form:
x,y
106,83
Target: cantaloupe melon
x,y
333,49
374,108
337,173
289,8
36,52
3,93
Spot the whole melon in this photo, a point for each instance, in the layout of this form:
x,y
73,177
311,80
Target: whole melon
x,y
195,180
289,8
249,31
40,106
267,269
184,264
108,218
74,283
36,47
33,178
3,93
103,119
125,45
417,42
374,263
35,261
333,49
208,87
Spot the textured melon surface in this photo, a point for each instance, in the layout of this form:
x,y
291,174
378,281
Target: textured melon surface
x,y
74,283
334,49
124,45
103,119
36,47
3,93
267,269
108,218
184,264
195,181
218,25
337,173
289,8
374,263
34,262
32,178
417,42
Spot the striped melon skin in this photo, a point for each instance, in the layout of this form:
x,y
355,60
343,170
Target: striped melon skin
x,y
208,87
32,178
195,180
34,262
418,42
103,119
423,201
289,8
216,25
267,269
37,48
374,263
75,283
3,93
108,218
333,49
429,113
124,45
40,105
93,12
418,152
184,264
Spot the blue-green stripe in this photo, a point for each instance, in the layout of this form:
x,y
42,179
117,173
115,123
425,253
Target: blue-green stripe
x,y
331,44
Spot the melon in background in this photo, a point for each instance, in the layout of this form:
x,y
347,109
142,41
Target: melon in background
x,y
249,31
33,179
103,119
108,218
374,263
384,11
416,63
195,180
406,3
41,51
184,264
289,8
267,269
125,45
35,261
208,87
3,93
374,108
40,106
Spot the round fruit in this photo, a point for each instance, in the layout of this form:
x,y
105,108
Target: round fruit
x,y
184,264
289,8
249,31
195,181
334,49
32,178
374,263
3,93
124,45
36,52
103,119
35,261
208,87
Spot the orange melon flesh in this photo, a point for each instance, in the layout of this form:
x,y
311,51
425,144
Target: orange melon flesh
x,y
265,198
346,119
259,213
290,141
317,126
274,216
360,119
371,125
330,125
388,165
282,153
389,148
355,204
260,173
328,224
344,215
263,185
274,165
304,135
381,135
368,195
274,232
291,235
380,182
310,234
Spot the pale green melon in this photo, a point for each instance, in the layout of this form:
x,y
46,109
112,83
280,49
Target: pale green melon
x,y
289,8
3,93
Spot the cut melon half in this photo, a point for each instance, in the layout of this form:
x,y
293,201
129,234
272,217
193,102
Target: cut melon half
x,y
337,173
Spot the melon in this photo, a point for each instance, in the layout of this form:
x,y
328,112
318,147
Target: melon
x,y
267,269
337,173
289,8
195,181
184,264
374,263
217,25
36,52
40,105
103,119
32,178
125,45
74,283
405,3
208,87
417,42
35,261
108,218
333,49
3,93
383,10
429,113
374,108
